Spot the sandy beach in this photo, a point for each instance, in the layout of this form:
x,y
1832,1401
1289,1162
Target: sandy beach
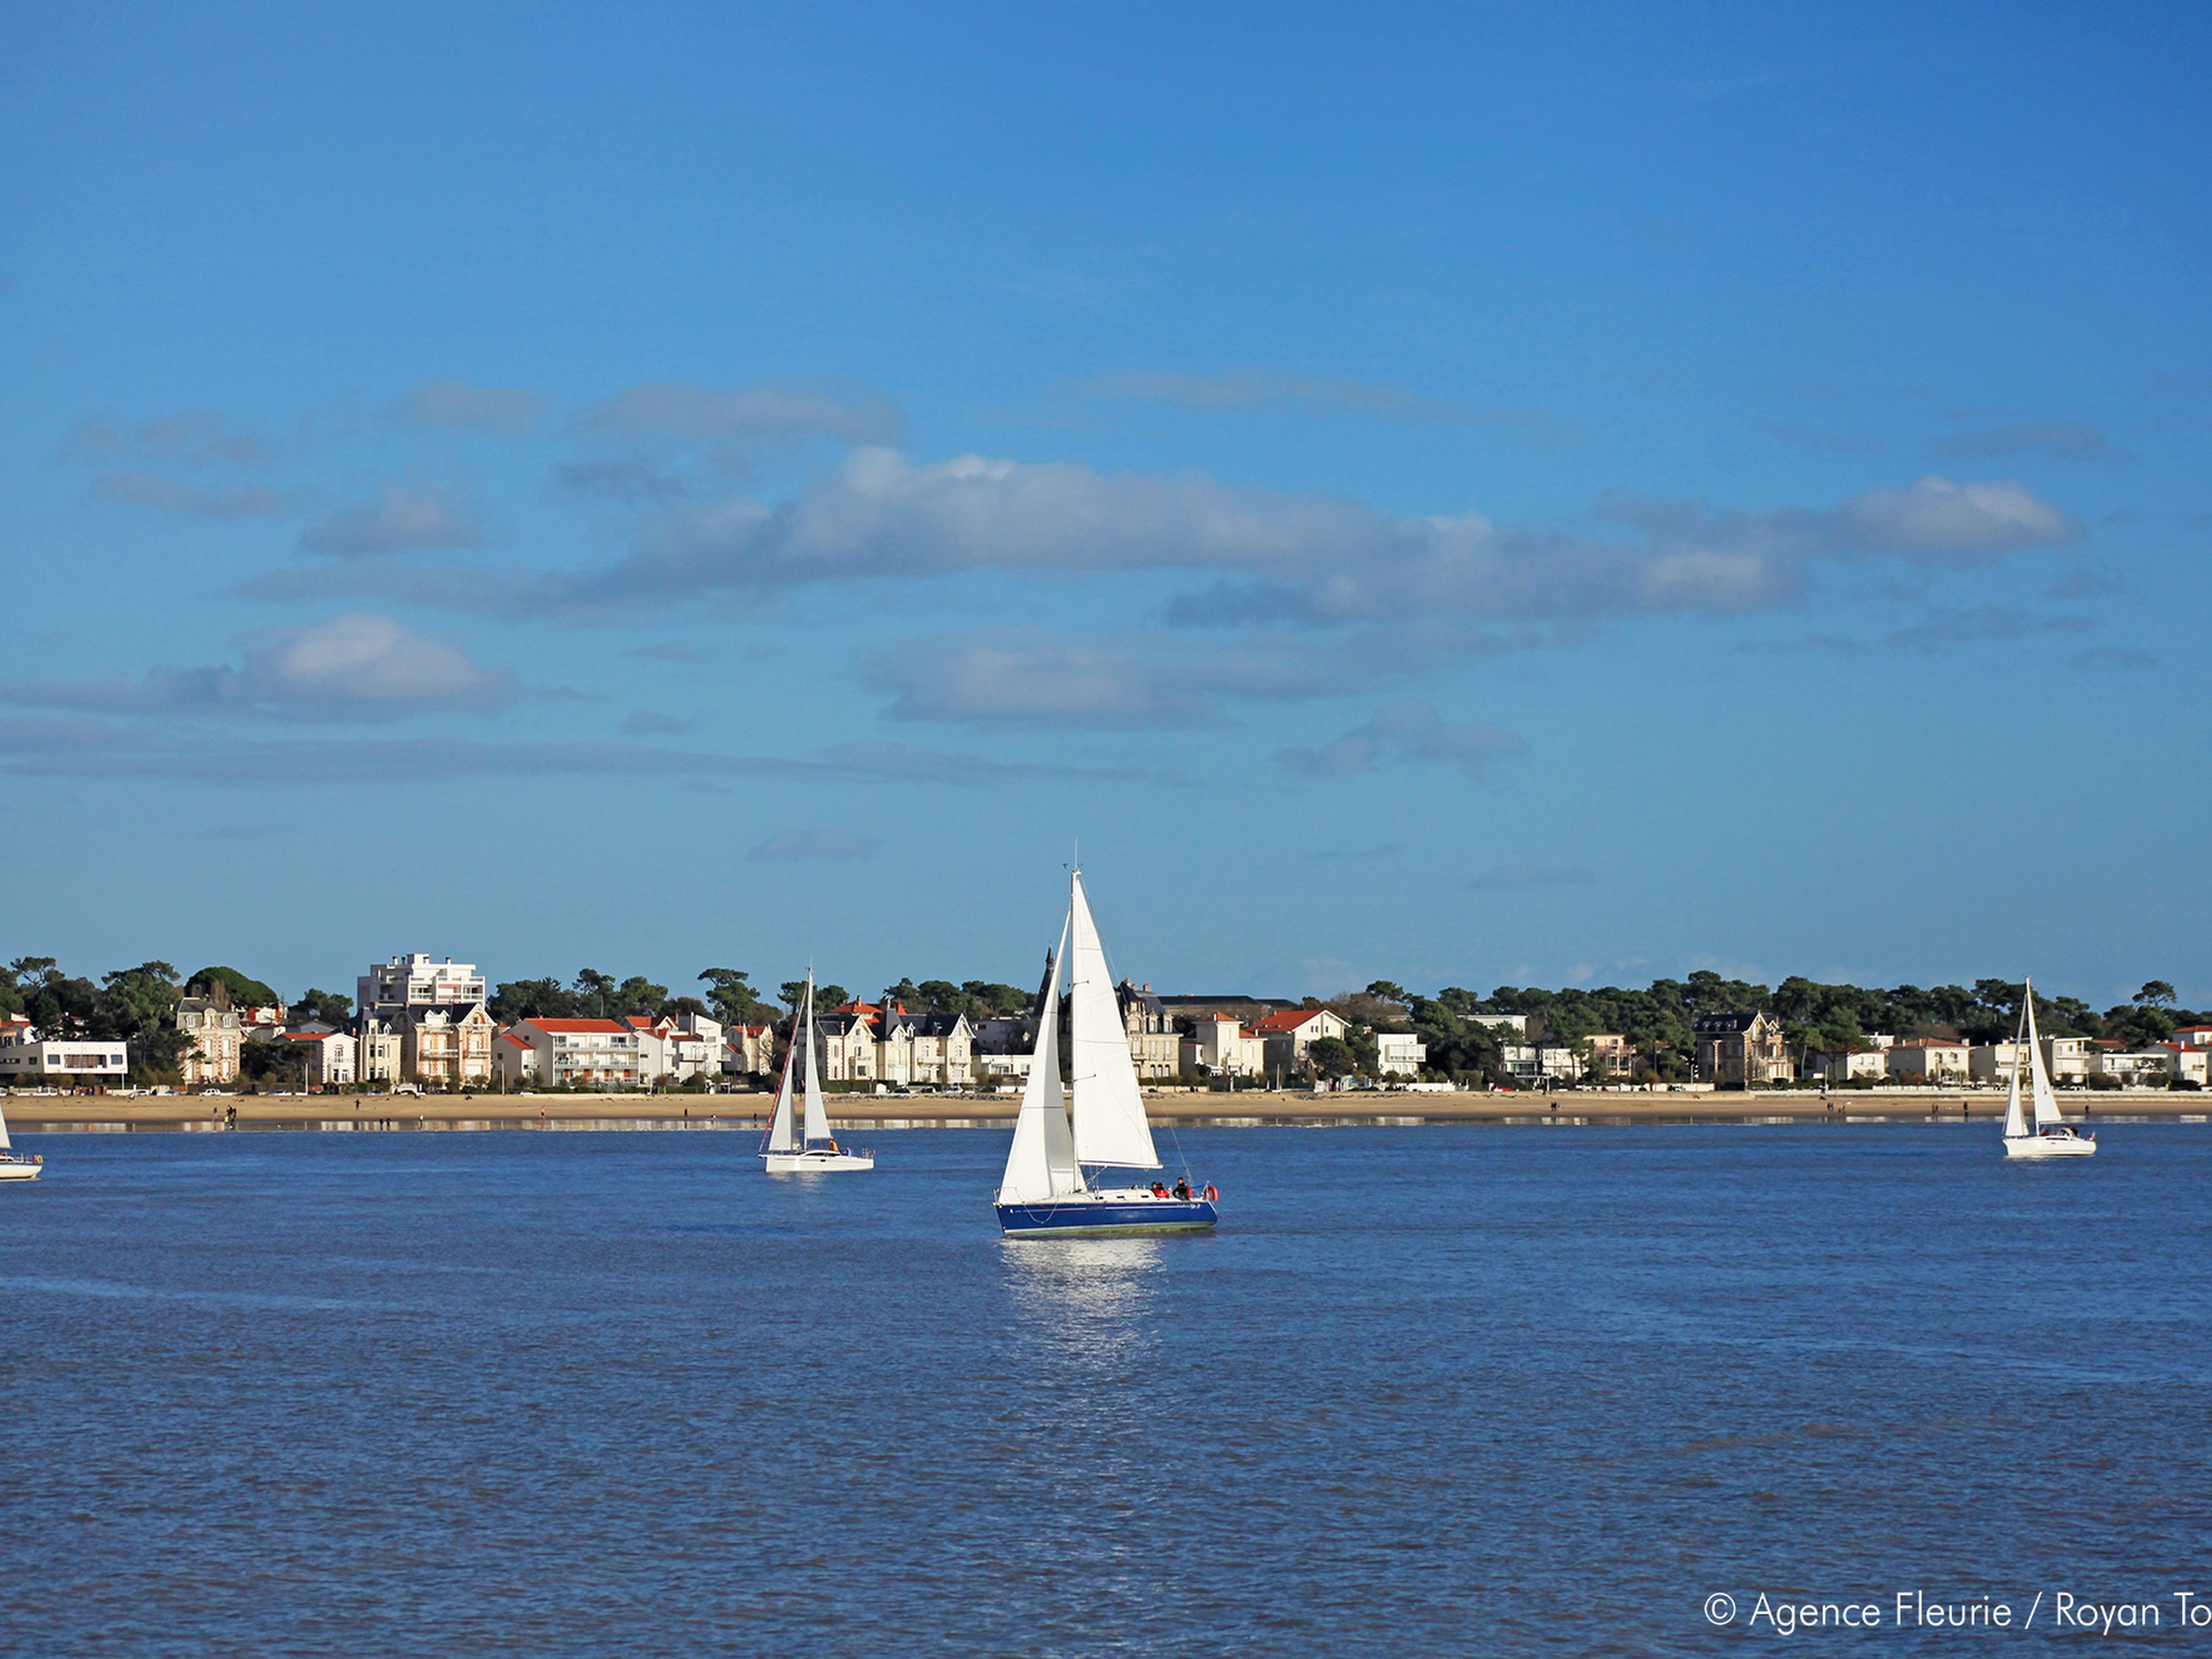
x,y
33,1113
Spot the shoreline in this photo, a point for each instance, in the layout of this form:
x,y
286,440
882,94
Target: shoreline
x,y
108,1114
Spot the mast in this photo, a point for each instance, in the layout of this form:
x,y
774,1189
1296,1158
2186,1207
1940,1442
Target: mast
x,y
1107,1111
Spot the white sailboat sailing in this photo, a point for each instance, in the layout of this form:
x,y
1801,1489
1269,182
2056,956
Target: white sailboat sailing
x,y
1060,1144
13,1165
2049,1136
784,1153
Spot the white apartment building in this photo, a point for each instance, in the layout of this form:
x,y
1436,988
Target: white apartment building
x,y
418,982
1499,1024
2147,1068
26,1057
1399,1053
669,1050
592,1053
375,1052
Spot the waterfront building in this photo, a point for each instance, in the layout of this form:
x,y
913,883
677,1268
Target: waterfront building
x,y
1219,1044
1851,1065
330,1056
673,1050
749,1050
1930,1060
414,981
932,1048
375,1050
848,1043
1289,1033
2149,1068
1743,1049
1399,1053
1156,1044
1610,1054
596,1053
446,1045
28,1057
210,1024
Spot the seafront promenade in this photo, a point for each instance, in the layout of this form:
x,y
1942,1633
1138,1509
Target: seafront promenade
x,y
32,1113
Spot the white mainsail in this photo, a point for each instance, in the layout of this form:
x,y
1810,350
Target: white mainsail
x,y
1040,1165
1109,1110
779,1126
4,1132
2048,1115
817,1120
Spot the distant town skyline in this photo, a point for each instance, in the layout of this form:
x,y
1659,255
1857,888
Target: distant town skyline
x,y
1515,498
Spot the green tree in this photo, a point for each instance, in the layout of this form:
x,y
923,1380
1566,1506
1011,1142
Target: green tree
x,y
244,992
734,1002
532,999
1331,1056
2155,994
328,1006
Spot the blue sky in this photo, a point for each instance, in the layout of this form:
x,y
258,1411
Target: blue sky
x,y
1467,495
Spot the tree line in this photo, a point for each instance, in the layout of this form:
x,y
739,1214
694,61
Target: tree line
x,y
137,1004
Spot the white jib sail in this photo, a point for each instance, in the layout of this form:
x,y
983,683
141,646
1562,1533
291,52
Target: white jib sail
x,y
779,1126
1040,1165
817,1120
2015,1125
4,1132
1108,1110
2046,1098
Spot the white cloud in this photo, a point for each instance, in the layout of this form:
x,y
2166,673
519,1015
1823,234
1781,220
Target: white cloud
x,y
358,667
509,409
1938,522
403,518
831,845
1412,731
166,495
1321,558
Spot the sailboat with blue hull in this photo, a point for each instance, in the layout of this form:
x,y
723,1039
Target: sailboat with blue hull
x,y
1069,1138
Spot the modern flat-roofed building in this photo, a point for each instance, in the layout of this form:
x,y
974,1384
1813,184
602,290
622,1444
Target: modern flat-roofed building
x,y
25,1057
418,982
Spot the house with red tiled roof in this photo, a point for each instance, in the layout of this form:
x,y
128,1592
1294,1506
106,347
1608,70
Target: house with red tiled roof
x,y
1289,1033
571,1053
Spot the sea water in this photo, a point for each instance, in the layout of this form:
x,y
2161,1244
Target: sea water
x,y
1449,1391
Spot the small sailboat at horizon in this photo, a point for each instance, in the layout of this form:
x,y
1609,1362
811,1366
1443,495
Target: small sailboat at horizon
x,y
2050,1137
13,1165
782,1152
1060,1144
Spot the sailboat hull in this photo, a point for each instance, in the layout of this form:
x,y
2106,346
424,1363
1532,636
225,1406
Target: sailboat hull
x,y
1090,1214
2049,1145
815,1163
18,1169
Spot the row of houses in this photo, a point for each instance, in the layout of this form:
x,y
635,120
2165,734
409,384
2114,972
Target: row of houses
x,y
2071,1062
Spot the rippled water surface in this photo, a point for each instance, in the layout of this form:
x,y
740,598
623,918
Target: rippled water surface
x,y
1472,1390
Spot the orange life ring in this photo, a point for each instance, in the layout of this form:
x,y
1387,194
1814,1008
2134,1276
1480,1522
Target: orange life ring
x,y
1211,1194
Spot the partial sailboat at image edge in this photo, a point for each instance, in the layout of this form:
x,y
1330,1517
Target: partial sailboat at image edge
x,y
1045,1189
13,1165
782,1153
2050,1136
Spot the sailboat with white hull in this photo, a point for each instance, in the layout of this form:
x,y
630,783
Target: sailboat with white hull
x,y
783,1153
2050,1135
1061,1146
13,1165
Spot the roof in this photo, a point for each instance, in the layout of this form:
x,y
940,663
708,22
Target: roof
x,y
1288,1019
1722,1024
509,1037
568,1026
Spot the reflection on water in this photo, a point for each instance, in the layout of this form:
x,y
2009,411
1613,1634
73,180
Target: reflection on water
x,y
1087,1309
